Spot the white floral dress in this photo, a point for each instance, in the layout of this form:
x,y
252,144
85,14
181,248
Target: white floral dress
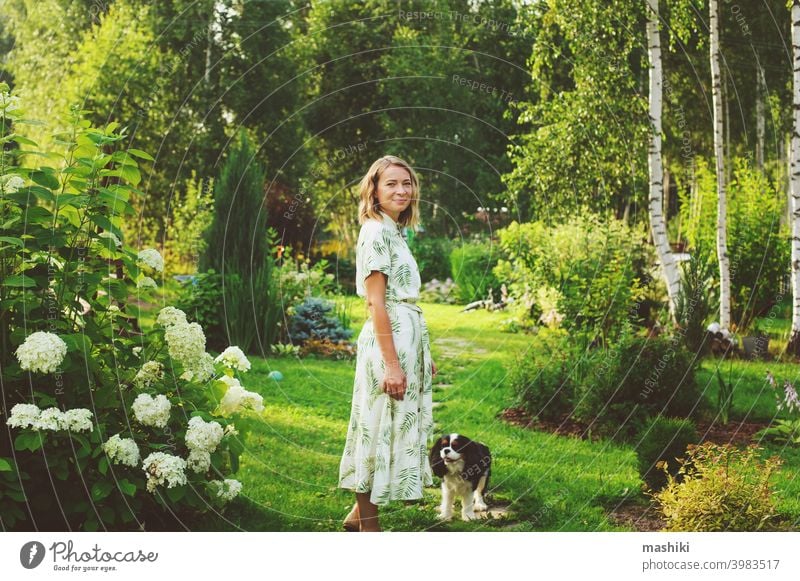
x,y
386,451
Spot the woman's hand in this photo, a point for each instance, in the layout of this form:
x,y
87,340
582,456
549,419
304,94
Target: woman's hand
x,y
394,381
434,371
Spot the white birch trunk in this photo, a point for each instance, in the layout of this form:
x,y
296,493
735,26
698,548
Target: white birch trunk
x,y
794,175
761,122
658,222
722,205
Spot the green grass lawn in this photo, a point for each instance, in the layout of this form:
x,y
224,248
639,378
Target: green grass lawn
x,y
545,482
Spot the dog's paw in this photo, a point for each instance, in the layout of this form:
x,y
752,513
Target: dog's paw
x,y
444,515
468,516
480,506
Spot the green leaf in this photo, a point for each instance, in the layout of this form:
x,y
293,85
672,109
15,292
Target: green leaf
x,y
20,280
13,240
101,489
46,179
102,465
127,487
177,493
141,154
5,466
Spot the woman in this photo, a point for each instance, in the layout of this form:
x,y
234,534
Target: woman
x,y
385,456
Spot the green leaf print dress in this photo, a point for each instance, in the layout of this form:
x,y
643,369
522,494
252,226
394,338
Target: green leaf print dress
x,y
386,452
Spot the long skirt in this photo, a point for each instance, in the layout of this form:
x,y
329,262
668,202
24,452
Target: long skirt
x,y
386,451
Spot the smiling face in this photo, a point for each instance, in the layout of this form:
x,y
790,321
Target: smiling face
x,y
394,191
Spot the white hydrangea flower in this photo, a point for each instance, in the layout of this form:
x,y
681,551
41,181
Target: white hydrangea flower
x,y
10,184
186,343
78,420
227,490
230,430
146,282
23,415
203,435
150,373
122,450
199,461
237,399
164,468
233,358
170,316
42,352
151,411
137,350
50,419
112,237
151,258
200,370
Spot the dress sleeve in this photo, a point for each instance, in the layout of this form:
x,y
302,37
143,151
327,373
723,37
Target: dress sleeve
x,y
374,253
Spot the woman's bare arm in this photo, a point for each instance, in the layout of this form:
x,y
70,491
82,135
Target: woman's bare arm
x,y
394,379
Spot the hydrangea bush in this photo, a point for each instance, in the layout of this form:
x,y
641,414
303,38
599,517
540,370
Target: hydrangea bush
x,y
106,426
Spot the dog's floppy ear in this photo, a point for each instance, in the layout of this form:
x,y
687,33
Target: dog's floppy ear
x,y
437,464
477,461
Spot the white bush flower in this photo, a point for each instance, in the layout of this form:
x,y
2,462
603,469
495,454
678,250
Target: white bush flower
x,y
199,461
186,343
227,490
151,258
10,184
23,415
170,316
78,420
150,373
200,370
164,468
50,419
122,450
233,358
137,350
237,399
203,435
146,282
42,352
151,411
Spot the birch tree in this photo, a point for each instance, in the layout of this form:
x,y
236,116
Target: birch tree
x,y
722,202
658,222
794,179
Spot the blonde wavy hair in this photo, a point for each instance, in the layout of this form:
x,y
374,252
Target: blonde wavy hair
x,y
368,206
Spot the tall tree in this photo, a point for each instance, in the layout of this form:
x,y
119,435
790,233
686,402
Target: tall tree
x,y
794,173
719,154
658,222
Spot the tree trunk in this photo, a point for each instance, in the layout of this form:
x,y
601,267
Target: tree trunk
x,y
761,123
658,223
722,206
794,180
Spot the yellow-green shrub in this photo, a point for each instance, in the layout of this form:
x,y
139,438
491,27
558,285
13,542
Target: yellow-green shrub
x,y
722,489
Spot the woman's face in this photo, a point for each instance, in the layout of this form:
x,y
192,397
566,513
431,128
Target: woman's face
x,y
394,190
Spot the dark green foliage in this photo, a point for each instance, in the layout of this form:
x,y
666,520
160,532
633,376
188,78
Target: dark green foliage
x,y
312,319
432,256
546,377
663,438
472,266
636,378
200,298
696,300
239,248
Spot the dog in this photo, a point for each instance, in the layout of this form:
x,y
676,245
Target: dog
x,y
464,467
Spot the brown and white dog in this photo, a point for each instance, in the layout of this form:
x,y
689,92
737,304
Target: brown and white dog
x,y
464,467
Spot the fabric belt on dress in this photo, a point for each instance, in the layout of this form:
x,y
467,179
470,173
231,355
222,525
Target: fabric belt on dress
x,y
408,303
